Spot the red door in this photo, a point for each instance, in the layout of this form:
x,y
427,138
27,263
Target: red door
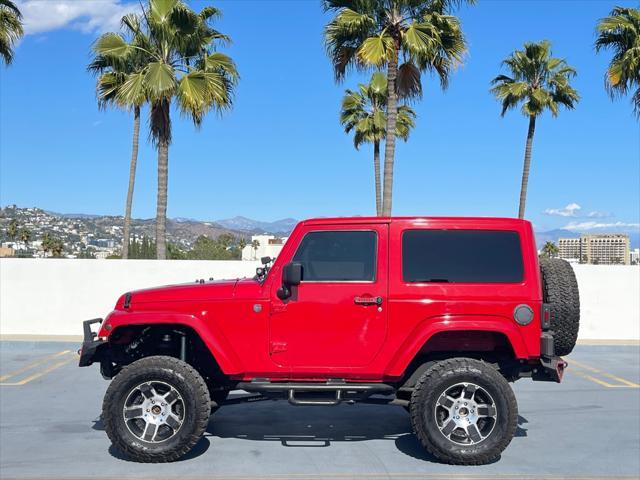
x,y
337,316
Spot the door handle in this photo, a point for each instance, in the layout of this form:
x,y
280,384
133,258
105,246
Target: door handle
x,y
368,301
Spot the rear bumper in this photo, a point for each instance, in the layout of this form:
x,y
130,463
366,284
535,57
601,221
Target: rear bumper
x,y
90,349
551,367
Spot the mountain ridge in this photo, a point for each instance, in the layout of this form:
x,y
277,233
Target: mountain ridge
x,y
246,226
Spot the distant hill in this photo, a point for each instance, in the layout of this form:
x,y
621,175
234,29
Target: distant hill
x,y
185,230
72,215
279,227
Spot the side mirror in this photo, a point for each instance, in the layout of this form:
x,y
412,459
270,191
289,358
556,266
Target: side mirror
x,y
266,260
292,274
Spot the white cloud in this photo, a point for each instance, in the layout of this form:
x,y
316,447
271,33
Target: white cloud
x,y
614,226
88,16
570,210
597,214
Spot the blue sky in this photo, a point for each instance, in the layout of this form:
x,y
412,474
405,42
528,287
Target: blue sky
x,y
282,153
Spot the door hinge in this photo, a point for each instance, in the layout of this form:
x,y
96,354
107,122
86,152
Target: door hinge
x,y
277,347
278,307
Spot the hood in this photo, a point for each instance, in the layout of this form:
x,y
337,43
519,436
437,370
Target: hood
x,y
191,292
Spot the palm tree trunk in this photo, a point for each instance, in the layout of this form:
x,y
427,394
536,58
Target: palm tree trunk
x,y
527,166
376,172
390,141
132,180
161,212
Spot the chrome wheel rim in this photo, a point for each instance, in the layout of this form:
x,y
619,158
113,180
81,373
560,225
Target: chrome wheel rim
x,y
465,413
154,411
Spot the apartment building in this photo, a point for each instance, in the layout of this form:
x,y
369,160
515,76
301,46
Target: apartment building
x,y
263,246
603,249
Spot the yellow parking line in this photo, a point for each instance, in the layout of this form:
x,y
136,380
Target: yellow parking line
x,y
46,359
625,382
39,374
598,381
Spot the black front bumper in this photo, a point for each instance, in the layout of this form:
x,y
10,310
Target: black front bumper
x,y
90,350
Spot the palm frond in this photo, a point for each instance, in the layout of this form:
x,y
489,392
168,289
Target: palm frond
x,y
11,29
620,33
536,81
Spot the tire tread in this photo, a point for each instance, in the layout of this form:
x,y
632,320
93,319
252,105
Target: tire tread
x,y
151,364
436,372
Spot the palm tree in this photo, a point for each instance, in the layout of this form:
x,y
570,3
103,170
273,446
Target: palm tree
x,y
47,242
620,32
12,229
112,73
539,82
25,236
379,33
550,250
10,29
255,244
364,112
182,64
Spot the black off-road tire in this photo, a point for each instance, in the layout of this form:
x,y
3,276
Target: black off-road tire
x,y
181,376
446,374
560,291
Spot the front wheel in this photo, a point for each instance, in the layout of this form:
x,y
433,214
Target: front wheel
x,y
156,409
464,412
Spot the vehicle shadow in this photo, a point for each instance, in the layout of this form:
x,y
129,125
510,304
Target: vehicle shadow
x,y
310,427
319,427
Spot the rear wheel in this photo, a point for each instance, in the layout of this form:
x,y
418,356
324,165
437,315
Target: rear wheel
x,y
156,409
463,411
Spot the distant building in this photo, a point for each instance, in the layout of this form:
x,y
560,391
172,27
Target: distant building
x,y
265,246
569,249
604,249
634,256
7,252
103,243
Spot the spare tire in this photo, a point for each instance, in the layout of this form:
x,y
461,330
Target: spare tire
x,y
560,291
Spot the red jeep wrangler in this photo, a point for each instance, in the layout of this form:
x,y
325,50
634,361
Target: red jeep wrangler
x,y
436,315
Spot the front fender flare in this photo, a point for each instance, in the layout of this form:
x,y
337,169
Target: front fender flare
x,y
212,336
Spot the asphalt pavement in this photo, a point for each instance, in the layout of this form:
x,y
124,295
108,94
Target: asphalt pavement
x,y
588,427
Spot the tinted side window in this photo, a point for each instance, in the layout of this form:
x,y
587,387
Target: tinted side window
x,y
475,256
337,256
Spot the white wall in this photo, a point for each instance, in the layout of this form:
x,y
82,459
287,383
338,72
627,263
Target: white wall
x,y
609,301
52,297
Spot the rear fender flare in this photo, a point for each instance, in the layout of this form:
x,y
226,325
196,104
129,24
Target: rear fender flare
x,y
449,323
212,337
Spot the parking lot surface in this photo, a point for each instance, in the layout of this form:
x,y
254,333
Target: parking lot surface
x,y
588,427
